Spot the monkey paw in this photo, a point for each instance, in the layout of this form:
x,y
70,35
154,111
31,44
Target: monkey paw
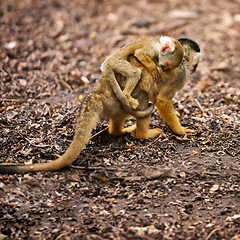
x,y
187,130
151,133
133,103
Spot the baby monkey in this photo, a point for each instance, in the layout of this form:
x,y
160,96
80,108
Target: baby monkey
x,y
168,52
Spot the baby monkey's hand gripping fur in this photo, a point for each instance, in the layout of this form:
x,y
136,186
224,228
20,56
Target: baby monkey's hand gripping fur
x,y
168,52
103,102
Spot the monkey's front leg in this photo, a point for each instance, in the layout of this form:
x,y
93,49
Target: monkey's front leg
x,y
168,114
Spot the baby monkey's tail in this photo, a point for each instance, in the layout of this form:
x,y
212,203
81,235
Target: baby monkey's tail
x,y
87,121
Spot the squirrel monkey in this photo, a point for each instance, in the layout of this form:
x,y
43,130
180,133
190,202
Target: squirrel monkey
x,y
103,102
167,50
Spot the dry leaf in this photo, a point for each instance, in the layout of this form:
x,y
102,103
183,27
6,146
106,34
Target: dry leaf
x,y
234,217
214,188
183,14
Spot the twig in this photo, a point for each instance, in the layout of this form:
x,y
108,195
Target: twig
x,y
64,83
61,235
10,100
199,106
98,133
212,232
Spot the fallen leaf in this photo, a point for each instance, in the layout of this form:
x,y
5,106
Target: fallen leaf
x,y
234,217
110,200
184,14
157,173
59,24
10,45
214,188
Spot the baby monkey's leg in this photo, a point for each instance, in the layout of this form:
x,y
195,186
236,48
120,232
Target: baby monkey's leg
x,y
132,75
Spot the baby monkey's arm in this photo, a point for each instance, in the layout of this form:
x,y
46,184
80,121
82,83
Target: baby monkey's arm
x,y
150,65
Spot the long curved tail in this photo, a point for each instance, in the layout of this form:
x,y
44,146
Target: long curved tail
x,y
87,121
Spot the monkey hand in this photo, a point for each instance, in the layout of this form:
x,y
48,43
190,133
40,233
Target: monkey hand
x,y
187,130
182,131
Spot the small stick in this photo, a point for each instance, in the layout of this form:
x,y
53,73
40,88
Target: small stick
x,y
64,83
98,133
199,106
212,232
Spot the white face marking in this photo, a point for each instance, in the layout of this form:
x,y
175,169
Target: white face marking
x,y
167,40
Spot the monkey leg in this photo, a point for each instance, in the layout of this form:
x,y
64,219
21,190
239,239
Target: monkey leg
x,y
130,129
141,129
116,124
132,75
168,114
145,59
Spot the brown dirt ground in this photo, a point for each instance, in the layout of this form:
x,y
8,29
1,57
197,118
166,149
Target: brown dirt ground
x,y
166,188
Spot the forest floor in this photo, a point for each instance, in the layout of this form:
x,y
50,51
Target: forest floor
x,y
170,187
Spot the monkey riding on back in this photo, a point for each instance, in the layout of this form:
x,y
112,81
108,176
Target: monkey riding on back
x,y
164,66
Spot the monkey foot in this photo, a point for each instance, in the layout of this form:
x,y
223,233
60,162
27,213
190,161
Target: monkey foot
x,y
187,130
133,103
183,131
151,133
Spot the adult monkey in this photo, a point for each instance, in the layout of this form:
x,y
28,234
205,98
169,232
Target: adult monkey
x,y
103,102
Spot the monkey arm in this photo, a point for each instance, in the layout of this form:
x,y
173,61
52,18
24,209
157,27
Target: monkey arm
x,y
150,65
168,114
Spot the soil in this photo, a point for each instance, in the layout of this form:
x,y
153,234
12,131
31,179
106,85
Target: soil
x,y
170,187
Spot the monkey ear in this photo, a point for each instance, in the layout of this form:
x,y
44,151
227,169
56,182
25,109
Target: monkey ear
x,y
196,58
166,45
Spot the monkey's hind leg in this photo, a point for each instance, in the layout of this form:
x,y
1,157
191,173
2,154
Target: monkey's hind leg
x,y
116,125
143,131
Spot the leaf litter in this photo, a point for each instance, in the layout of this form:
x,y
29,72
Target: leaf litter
x,y
170,187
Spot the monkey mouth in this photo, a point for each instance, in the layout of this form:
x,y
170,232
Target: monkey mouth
x,y
163,67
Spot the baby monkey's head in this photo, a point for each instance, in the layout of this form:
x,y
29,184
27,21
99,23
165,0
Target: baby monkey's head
x,y
170,53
